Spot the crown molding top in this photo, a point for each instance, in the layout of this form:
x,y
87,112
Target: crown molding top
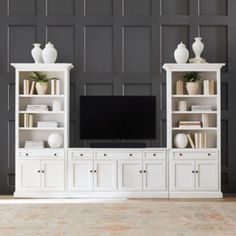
x,y
42,66
193,67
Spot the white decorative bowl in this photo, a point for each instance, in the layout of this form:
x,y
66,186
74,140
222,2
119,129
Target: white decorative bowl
x,y
181,140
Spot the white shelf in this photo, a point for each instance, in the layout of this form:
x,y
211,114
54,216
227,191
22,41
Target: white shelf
x,y
203,128
41,112
41,96
194,112
194,96
36,128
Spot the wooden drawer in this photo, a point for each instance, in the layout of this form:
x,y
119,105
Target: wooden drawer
x,y
154,155
195,155
81,154
48,153
118,155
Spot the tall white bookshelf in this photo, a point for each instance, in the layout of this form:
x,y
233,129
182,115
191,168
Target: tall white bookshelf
x,y
194,171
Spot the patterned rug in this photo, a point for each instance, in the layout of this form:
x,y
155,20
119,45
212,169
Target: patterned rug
x,y
131,218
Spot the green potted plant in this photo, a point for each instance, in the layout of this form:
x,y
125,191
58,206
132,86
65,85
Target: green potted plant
x,y
192,84
41,82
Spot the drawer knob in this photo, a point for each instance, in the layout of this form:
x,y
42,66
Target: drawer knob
x,y
55,154
154,154
105,154
181,154
27,154
209,154
81,154
130,155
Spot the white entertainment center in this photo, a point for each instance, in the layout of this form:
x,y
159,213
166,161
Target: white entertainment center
x,y
117,172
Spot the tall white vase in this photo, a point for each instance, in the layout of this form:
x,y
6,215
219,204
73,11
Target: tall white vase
x,y
36,53
49,53
198,47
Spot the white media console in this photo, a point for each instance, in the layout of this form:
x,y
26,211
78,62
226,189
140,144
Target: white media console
x,y
113,173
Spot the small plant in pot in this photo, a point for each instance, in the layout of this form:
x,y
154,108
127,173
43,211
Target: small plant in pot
x,y
192,84
41,82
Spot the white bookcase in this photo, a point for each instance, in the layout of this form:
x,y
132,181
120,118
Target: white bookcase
x,y
194,172
41,169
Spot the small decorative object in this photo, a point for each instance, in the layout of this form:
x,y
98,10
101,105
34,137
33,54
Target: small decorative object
x,y
192,84
54,140
36,53
49,53
181,53
56,106
41,82
198,47
182,106
181,140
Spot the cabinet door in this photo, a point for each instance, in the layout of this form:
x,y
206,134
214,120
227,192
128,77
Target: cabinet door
x,y
105,175
154,175
182,175
30,175
53,175
130,175
207,175
81,175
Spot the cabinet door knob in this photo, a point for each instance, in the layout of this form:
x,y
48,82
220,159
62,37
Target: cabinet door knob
x,y
91,171
144,171
140,171
38,171
196,171
193,171
105,154
95,171
42,171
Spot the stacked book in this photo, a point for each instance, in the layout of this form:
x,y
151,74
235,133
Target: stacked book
x,y
201,108
28,89
37,108
208,87
189,124
55,86
47,124
28,121
205,120
179,87
199,140
34,144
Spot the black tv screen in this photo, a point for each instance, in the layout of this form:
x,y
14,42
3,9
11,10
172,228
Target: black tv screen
x,y
117,117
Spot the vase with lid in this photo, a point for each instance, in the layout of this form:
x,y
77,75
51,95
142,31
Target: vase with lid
x,y
49,53
181,53
36,53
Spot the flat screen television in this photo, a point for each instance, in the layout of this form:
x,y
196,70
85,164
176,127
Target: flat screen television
x,y
117,117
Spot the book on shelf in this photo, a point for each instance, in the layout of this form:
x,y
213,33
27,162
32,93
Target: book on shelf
x,y
32,87
201,108
26,87
34,144
28,120
179,87
189,124
55,87
47,124
200,140
208,87
205,120
37,108
191,141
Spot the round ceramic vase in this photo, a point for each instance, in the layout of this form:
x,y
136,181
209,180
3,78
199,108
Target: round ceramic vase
x,y
181,54
49,53
181,140
55,140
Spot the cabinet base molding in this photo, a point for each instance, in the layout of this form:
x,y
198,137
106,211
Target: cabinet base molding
x,y
196,195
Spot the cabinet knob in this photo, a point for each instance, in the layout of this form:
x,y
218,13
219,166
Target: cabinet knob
x,y
105,154
95,171
154,154
27,154
193,171
42,171
181,154
81,154
91,171
140,171
209,154
130,155
144,171
38,171
55,154
196,171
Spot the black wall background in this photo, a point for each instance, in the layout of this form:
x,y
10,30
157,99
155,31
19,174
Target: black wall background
x,y
117,47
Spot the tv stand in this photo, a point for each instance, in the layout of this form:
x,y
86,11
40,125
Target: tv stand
x,y
117,145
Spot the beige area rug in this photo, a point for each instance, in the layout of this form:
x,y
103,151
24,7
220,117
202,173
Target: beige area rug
x,y
131,218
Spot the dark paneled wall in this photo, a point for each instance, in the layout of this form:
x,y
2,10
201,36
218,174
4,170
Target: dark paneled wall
x,y
118,48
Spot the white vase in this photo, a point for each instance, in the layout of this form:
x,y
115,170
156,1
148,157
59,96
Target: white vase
x,y
55,140
182,106
198,47
49,53
36,53
181,53
192,88
56,105
181,140
41,88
